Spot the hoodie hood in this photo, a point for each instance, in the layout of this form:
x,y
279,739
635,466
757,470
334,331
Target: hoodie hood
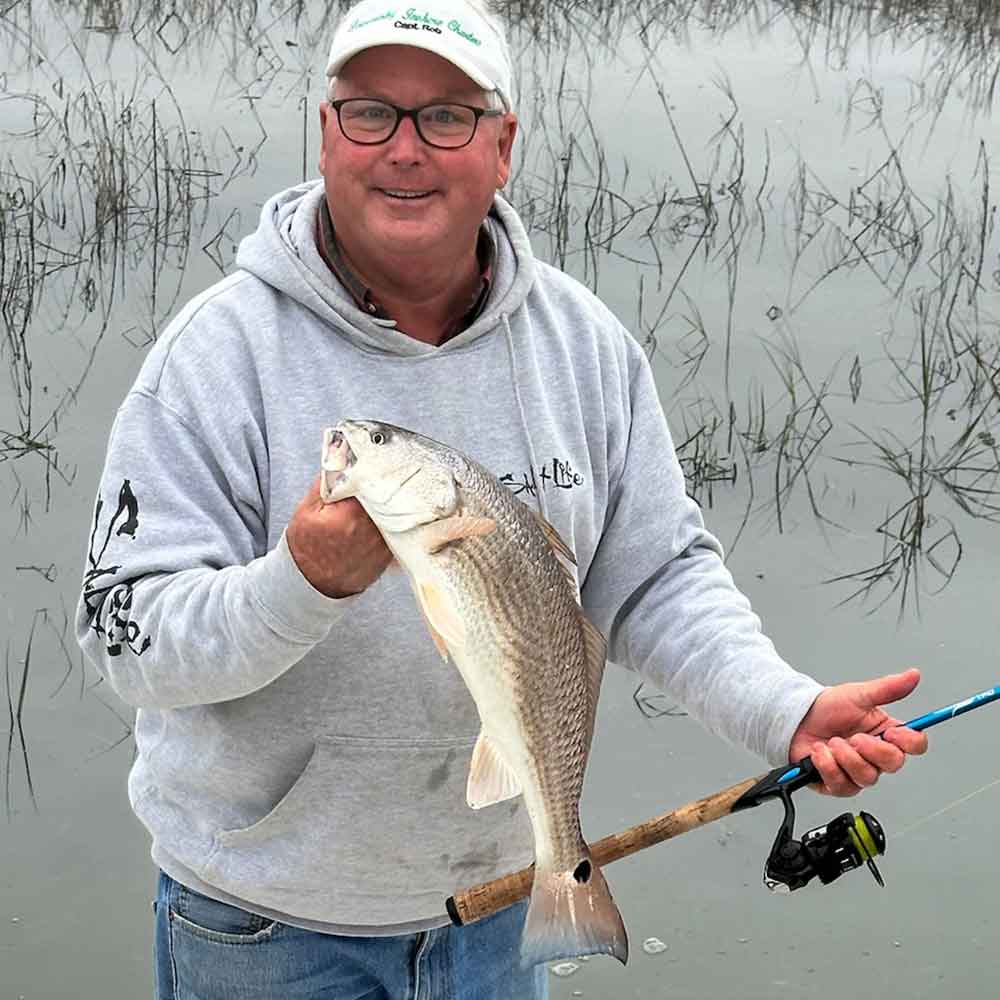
x,y
282,253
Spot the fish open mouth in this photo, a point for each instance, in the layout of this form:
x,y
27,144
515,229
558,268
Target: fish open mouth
x,y
336,459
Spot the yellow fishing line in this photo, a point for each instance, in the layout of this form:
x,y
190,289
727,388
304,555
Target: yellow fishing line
x,y
864,842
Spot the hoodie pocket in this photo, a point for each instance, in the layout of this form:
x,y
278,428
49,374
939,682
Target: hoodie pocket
x,y
374,831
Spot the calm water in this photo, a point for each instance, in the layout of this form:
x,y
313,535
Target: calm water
x,y
792,205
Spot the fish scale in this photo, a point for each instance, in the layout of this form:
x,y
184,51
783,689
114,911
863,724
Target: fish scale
x,y
477,564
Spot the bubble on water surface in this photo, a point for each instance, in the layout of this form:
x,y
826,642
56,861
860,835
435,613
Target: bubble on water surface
x,y
564,969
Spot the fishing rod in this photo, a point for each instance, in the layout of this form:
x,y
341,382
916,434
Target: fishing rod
x,y
826,852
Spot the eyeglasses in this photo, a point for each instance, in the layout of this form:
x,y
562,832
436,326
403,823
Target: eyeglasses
x,y
445,126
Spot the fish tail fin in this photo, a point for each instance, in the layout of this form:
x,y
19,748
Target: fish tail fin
x,y
572,913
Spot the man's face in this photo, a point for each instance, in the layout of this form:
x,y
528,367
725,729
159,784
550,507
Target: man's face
x,y
456,186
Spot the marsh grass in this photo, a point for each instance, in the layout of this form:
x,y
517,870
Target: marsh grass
x,y
16,689
945,372
47,656
119,186
792,438
107,192
99,195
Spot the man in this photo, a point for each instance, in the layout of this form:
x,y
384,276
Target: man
x,y
302,752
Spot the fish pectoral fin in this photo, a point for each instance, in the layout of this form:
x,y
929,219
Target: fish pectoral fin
x,y
446,627
490,779
453,529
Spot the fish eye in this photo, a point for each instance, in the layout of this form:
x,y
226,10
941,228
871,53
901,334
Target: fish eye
x,y
377,437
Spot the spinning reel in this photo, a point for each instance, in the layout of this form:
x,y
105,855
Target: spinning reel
x,y
825,852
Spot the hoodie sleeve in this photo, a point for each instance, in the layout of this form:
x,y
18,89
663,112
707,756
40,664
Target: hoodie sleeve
x,y
659,589
182,603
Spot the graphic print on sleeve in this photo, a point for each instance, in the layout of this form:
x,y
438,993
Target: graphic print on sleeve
x,y
114,622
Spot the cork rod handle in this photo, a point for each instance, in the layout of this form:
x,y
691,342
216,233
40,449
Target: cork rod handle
x,y
482,900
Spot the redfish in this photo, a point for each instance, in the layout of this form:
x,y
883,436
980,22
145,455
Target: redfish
x,y
491,579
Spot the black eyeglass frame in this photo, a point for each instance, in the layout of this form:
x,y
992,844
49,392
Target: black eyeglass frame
x,y
412,114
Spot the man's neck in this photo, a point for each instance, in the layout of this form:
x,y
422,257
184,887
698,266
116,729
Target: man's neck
x,y
425,297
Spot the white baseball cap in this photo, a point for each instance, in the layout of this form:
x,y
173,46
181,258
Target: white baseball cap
x,y
464,33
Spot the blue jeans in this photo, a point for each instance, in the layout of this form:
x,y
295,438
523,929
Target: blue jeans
x,y
206,950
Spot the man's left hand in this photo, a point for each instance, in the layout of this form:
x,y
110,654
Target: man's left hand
x,y
840,733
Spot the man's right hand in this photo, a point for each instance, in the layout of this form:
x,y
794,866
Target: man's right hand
x,y
336,546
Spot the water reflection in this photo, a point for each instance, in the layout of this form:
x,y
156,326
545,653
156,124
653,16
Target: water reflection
x,y
139,138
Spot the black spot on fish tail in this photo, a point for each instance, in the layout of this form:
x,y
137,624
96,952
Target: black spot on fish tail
x,y
567,918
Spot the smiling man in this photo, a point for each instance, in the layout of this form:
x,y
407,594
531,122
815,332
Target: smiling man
x,y
302,752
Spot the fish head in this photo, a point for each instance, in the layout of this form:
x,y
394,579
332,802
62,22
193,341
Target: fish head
x,y
397,475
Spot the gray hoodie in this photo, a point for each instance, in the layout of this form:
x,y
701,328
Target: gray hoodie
x,y
305,757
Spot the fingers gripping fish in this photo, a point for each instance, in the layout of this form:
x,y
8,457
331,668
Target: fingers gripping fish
x,y
502,606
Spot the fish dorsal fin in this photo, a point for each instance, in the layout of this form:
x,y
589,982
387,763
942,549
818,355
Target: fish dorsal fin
x,y
570,578
555,539
490,779
596,650
446,625
559,547
453,529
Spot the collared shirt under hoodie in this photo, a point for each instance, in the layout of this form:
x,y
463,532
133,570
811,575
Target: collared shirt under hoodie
x,y
305,757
